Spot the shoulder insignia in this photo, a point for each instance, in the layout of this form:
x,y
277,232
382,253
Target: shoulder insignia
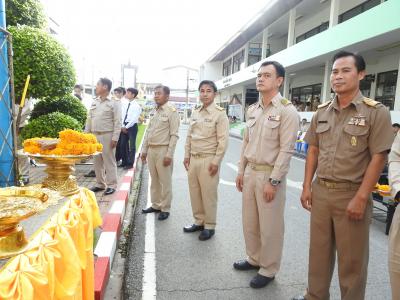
x,y
370,102
324,104
253,105
171,107
198,106
285,102
219,107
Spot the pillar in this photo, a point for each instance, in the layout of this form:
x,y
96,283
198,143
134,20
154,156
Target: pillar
x,y
334,13
397,95
264,43
326,85
292,24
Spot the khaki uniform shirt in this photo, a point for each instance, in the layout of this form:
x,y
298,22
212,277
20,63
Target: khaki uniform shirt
x,y
394,166
104,116
347,138
208,132
163,129
270,135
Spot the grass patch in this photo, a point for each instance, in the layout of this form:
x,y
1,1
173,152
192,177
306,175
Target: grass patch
x,y
139,137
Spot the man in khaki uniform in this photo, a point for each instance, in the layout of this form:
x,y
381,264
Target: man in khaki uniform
x,y
268,145
394,235
349,138
206,143
158,149
104,121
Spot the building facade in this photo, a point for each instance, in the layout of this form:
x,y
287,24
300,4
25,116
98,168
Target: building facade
x,y
303,35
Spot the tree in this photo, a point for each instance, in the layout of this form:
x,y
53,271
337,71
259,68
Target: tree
x,y
25,12
49,126
68,105
38,54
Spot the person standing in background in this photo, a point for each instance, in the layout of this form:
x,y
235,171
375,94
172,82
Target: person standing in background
x,y
130,117
104,121
206,143
268,145
158,149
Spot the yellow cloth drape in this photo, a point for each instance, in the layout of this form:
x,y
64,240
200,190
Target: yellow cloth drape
x,y
59,261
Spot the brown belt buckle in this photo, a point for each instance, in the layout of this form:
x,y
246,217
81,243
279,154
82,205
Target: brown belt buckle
x,y
253,167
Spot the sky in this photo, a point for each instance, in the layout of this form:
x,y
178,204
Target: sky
x,y
152,34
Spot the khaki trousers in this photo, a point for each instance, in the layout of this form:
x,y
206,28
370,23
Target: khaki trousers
x,y
203,192
263,223
394,255
161,178
331,230
105,165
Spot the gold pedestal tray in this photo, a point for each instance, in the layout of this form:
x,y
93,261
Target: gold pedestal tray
x,y
17,204
60,170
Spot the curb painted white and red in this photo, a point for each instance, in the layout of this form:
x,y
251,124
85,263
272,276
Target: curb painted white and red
x,y
111,231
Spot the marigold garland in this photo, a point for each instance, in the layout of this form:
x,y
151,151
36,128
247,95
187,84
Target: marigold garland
x,y
71,142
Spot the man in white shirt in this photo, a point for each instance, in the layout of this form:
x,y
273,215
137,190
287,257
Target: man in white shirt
x,y
130,116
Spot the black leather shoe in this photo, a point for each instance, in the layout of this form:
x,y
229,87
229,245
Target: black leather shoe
x,y
193,228
96,189
260,281
150,210
90,174
299,298
163,215
244,265
109,191
128,167
206,234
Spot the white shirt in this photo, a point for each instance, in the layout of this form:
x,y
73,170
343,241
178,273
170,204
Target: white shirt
x,y
131,110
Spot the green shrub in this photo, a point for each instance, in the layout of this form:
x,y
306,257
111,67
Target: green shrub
x,y
49,126
38,54
25,12
68,105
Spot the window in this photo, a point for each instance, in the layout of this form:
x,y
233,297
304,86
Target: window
x,y
238,60
310,93
386,88
365,84
358,10
254,53
227,67
314,31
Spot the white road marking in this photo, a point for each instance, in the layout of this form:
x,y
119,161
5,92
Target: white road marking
x,y
118,207
297,158
294,184
149,289
227,182
232,166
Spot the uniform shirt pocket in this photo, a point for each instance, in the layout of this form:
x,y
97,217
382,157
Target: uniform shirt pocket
x,y
209,128
271,129
250,126
356,137
322,131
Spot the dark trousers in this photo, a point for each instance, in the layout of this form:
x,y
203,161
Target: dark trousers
x,y
128,146
118,154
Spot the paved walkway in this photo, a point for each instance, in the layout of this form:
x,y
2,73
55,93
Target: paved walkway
x,y
37,174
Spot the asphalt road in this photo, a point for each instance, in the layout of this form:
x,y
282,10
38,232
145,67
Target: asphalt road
x,y
186,268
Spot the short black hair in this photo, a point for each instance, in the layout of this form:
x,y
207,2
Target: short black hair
x,y
107,82
78,86
358,59
165,89
396,125
210,83
133,91
280,70
120,89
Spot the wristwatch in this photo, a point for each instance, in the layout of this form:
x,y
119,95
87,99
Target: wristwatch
x,y
274,182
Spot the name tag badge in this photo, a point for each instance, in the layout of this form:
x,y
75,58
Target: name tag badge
x,y
207,120
274,118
